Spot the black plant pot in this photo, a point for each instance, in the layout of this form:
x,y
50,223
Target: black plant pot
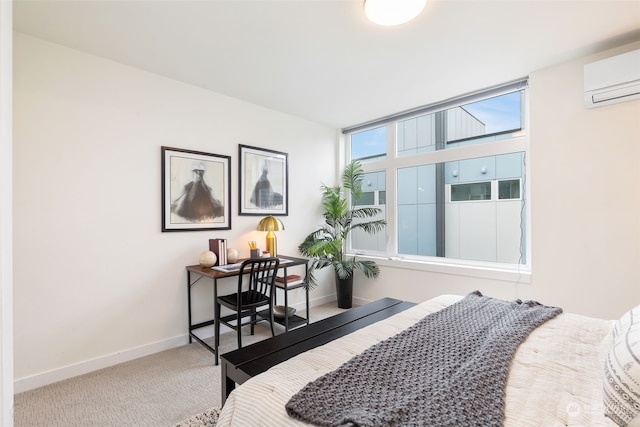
x,y
344,291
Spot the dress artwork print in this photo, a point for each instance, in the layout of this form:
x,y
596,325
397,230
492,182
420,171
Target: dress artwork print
x,y
196,189
197,202
263,181
263,195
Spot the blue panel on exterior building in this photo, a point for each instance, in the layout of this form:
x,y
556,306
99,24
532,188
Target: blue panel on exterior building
x,y
427,184
382,181
407,229
452,172
407,185
479,169
427,230
509,166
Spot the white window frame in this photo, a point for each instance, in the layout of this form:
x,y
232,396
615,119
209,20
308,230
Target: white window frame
x,y
519,273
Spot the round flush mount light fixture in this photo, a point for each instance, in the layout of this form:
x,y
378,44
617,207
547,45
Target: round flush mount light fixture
x,y
392,12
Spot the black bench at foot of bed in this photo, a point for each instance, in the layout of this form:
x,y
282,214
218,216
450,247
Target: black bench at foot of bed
x,y
240,365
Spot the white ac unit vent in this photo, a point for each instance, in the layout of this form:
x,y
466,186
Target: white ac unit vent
x,y
612,80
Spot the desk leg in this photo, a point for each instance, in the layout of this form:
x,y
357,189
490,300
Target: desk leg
x,y
216,326
286,302
227,384
306,290
189,303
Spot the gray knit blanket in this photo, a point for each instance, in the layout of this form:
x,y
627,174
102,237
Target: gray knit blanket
x,y
448,369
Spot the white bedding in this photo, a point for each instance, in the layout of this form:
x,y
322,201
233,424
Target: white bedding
x,y
555,378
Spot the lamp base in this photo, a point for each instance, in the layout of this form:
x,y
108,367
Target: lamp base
x,y
272,244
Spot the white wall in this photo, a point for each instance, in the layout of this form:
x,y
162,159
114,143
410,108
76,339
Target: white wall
x,y
6,217
586,195
585,207
96,281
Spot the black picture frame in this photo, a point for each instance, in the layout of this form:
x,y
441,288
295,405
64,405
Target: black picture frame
x,y
196,190
263,181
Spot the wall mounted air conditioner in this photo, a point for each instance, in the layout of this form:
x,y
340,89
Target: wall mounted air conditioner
x,y
612,80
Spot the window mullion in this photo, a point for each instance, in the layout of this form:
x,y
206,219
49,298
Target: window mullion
x,y
441,143
505,146
392,197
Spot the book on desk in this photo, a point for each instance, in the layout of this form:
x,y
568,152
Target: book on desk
x,y
219,247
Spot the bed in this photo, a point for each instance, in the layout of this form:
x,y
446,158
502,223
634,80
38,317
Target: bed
x,y
556,376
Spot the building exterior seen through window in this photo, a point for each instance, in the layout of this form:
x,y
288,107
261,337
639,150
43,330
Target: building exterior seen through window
x,y
448,201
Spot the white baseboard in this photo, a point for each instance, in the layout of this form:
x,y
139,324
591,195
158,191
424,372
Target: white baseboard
x,y
360,301
316,302
38,380
44,378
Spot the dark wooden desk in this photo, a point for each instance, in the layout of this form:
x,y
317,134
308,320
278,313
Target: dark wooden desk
x,y
240,365
197,272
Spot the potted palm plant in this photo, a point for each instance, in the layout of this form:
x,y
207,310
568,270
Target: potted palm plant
x,y
326,246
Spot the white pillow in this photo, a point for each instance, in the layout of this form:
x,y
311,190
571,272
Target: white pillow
x,y
622,371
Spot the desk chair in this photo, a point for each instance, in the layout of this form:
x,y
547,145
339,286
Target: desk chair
x,y
257,276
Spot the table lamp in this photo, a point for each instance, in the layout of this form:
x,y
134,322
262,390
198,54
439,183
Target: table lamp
x,y
271,224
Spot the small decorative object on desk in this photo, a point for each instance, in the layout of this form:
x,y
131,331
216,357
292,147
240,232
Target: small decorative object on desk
x,y
266,254
232,255
253,250
208,259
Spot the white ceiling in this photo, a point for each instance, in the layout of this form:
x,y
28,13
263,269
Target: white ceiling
x,y
321,59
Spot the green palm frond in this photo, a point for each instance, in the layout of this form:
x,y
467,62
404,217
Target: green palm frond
x,y
352,179
325,246
363,213
371,227
369,268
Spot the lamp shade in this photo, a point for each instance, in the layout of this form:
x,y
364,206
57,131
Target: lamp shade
x,y
270,223
392,12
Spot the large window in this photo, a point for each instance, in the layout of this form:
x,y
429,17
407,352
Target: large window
x,y
449,179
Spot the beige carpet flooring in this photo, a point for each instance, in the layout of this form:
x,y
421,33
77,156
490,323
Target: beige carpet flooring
x,y
159,390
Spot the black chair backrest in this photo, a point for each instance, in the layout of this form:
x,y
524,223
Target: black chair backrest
x,y
261,275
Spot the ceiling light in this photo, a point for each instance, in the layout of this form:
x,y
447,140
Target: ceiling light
x,y
392,12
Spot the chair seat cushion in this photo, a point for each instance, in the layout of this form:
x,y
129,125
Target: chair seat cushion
x,y
248,299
